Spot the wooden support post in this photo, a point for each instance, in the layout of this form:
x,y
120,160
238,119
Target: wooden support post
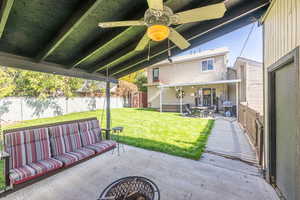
x,y
5,157
5,9
181,100
160,99
6,170
237,100
107,110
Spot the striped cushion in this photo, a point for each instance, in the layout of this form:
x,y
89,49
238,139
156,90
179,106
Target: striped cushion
x,y
90,136
27,146
82,153
87,125
47,165
57,141
15,147
18,174
90,132
102,146
37,145
71,137
67,158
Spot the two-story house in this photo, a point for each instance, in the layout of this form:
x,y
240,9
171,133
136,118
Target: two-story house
x,y
203,79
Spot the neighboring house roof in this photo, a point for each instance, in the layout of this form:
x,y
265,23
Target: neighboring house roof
x,y
99,84
200,55
252,62
201,83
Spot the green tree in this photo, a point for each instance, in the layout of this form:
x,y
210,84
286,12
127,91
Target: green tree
x,y
140,82
131,78
7,85
42,85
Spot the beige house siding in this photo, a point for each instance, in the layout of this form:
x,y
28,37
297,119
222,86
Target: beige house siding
x,y
251,86
231,93
281,35
254,87
189,71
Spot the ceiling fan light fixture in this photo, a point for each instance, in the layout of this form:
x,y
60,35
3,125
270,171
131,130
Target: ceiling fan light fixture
x,y
158,32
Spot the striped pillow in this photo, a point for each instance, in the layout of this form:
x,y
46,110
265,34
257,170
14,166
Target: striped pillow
x,y
27,146
91,136
57,142
71,137
15,146
90,132
88,125
37,144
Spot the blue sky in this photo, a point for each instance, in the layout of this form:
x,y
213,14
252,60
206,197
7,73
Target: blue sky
x,y
234,41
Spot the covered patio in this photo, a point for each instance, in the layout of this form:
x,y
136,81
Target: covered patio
x,y
210,94
213,177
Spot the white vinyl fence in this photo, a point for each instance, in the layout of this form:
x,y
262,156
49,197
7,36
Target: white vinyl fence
x,y
22,108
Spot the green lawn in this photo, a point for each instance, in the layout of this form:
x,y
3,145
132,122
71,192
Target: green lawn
x,y
165,132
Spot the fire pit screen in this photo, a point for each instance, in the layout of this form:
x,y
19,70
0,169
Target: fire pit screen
x,y
131,188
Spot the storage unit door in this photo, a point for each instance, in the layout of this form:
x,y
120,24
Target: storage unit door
x,y
286,80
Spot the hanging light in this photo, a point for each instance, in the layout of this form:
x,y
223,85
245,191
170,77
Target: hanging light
x,y
158,32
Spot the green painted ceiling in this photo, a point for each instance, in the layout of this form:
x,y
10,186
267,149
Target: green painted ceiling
x,y
33,25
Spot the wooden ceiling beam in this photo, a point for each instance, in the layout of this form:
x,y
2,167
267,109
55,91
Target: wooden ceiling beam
x,y
68,28
176,5
111,61
26,63
4,13
103,47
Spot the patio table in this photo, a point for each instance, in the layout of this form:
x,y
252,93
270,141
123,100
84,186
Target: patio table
x,y
117,131
199,109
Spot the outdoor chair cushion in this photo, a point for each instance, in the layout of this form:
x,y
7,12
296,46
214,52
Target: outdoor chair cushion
x,y
71,136
44,166
102,146
27,146
15,147
21,174
32,170
90,132
82,153
37,145
66,144
74,156
57,141
67,158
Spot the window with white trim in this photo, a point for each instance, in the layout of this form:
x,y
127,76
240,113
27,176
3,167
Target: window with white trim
x,y
155,74
207,65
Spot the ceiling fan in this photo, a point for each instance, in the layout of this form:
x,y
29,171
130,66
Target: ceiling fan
x,y
158,18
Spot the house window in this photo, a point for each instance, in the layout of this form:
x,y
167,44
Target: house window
x,y
155,74
207,65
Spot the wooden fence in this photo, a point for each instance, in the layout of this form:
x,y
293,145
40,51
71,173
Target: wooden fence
x,y
253,125
139,100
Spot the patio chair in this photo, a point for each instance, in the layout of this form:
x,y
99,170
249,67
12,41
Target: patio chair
x,y
187,111
212,111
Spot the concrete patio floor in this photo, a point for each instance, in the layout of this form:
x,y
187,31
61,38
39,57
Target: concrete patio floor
x,y
211,178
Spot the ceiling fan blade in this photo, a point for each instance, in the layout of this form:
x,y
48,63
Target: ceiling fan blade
x,y
121,23
200,14
143,43
156,4
178,39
